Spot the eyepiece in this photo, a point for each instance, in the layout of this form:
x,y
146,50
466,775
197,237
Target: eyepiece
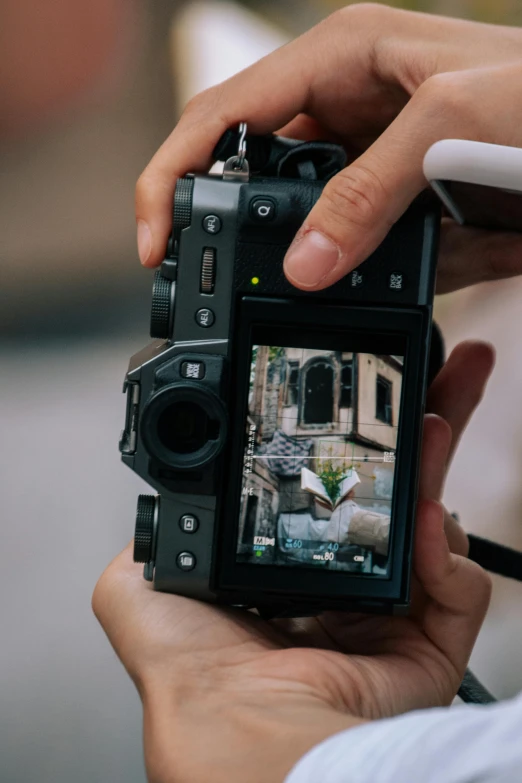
x,y
184,426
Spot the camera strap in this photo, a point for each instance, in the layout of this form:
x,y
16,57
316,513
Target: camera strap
x,y
495,557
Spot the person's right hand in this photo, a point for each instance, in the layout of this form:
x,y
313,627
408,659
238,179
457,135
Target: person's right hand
x,y
387,84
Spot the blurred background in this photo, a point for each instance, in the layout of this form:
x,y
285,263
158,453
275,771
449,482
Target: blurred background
x,y
88,92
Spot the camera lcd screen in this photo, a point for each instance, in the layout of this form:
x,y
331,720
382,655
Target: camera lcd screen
x,y
319,458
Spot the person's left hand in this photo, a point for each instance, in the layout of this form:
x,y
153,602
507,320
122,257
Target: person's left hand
x,y
231,698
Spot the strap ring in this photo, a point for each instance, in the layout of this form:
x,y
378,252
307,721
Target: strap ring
x,y
242,147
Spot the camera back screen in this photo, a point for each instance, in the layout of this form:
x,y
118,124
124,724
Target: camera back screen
x,y
319,459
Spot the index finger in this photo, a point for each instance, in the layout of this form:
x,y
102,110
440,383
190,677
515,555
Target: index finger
x,y
257,96
269,94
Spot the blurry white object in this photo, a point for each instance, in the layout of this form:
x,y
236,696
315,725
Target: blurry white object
x,y
212,41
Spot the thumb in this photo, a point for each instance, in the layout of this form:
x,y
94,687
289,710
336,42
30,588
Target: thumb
x,y
360,204
355,212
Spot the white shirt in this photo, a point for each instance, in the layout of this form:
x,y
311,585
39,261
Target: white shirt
x,y
464,744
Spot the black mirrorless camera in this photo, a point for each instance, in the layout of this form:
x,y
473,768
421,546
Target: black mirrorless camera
x,y
281,429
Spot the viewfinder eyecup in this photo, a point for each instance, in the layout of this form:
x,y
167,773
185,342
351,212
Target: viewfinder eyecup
x,y
184,426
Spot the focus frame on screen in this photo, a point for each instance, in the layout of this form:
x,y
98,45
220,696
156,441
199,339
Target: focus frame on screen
x,y
378,332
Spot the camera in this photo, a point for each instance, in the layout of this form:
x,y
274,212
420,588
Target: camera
x,y
280,428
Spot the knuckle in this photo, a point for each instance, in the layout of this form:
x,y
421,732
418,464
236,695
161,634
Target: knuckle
x,y
207,104
361,14
483,584
442,88
445,97
199,104
104,591
210,107
486,580
98,596
354,194
483,587
488,585
143,188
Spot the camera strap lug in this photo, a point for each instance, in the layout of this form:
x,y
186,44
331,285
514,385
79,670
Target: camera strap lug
x,y
275,156
236,168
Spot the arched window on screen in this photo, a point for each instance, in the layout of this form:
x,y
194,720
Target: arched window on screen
x,y
318,392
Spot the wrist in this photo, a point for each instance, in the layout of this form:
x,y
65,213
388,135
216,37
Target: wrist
x,y
236,736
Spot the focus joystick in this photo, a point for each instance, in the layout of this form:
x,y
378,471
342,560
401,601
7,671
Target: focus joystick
x,y
144,533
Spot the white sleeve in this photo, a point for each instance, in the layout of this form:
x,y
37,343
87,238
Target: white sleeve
x,y
462,744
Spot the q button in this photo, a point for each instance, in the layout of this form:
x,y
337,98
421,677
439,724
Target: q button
x,y
262,210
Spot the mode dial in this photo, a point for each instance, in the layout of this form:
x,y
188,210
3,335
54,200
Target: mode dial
x,y
144,532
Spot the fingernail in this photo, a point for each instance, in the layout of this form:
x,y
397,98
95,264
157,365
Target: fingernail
x,y
311,258
144,241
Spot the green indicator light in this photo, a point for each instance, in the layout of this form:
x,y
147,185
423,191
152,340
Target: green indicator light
x,y
259,554
255,280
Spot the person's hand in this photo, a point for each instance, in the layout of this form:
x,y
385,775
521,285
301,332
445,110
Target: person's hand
x,y
229,697
387,84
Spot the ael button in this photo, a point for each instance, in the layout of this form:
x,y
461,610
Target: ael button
x,y
205,317
262,210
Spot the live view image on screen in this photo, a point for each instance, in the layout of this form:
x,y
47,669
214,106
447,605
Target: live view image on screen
x,y
319,461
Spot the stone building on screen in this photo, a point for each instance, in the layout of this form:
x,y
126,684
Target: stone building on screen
x,y
308,406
